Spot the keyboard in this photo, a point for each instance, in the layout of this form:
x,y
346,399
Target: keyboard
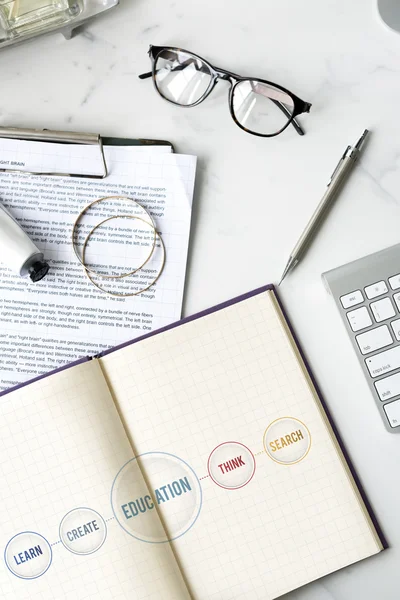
x,y
367,294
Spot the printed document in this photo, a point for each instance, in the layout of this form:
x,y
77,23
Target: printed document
x,y
51,323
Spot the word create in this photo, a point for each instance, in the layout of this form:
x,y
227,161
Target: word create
x,y
232,464
165,493
285,441
82,530
28,555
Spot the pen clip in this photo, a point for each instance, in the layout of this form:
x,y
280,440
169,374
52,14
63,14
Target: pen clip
x,y
341,159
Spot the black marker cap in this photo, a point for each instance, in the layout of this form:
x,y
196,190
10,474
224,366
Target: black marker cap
x,y
38,270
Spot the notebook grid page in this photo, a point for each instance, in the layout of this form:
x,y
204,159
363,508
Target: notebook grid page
x,y
225,388
61,445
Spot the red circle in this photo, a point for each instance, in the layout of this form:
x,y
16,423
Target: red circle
x,y
223,444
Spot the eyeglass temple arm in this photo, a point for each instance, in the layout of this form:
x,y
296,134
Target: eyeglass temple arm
x,y
281,106
287,112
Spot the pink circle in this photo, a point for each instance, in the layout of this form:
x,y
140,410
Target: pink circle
x,y
233,463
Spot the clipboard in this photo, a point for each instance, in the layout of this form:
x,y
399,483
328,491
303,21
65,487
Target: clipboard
x,y
70,137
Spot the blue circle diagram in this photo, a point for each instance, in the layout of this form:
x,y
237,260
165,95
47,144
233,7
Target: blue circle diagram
x,y
156,497
28,555
83,531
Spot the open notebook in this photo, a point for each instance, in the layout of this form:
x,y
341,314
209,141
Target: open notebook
x,y
197,462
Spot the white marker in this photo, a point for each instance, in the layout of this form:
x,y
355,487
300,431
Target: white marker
x,y
17,251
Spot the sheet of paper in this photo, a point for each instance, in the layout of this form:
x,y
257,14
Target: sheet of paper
x,y
63,317
271,506
61,445
44,157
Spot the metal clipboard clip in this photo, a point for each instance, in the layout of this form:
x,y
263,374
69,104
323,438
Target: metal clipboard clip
x,y
63,137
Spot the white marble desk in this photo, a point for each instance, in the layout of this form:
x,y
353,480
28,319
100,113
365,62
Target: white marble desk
x,y
255,195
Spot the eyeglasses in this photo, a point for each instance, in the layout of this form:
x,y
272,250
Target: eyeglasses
x,y
258,106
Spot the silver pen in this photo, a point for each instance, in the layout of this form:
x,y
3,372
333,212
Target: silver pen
x,y
338,177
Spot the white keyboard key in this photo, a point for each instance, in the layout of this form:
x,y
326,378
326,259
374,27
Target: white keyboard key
x,y
376,289
389,387
352,299
396,328
394,282
396,298
392,411
382,309
375,339
386,361
359,319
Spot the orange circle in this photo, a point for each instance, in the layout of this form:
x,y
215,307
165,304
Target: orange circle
x,y
278,461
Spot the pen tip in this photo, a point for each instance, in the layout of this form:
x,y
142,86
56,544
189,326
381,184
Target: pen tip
x,y
285,272
291,263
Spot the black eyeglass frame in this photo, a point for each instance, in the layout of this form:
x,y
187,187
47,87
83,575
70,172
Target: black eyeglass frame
x,y
299,105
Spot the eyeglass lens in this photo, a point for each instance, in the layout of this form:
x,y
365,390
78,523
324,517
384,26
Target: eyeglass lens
x,y
260,107
181,77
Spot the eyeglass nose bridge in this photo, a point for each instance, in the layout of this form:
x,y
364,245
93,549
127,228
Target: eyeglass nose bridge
x,y
225,76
